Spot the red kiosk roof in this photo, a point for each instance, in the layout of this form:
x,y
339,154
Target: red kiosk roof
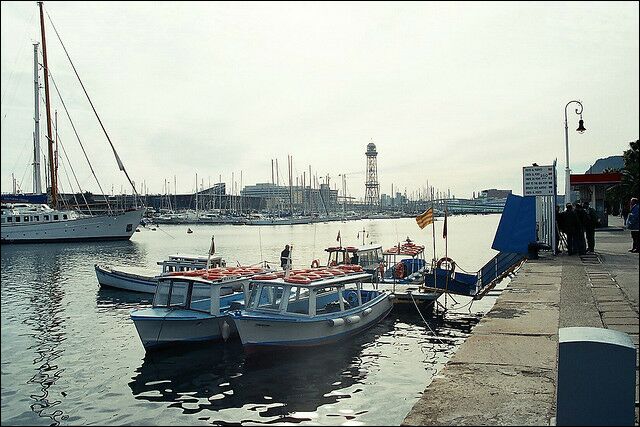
x,y
596,178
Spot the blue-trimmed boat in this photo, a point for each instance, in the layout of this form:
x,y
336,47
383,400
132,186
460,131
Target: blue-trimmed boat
x,y
404,264
309,308
191,308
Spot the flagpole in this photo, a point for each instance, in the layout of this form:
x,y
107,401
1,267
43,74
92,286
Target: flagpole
x,y
446,253
434,233
212,250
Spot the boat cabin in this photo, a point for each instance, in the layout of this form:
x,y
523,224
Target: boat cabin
x,y
198,294
302,297
369,257
183,262
404,261
25,213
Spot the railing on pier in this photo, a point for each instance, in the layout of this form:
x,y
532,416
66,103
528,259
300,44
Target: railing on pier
x,y
477,284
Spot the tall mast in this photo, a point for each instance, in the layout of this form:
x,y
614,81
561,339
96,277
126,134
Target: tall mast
x,y
37,185
53,173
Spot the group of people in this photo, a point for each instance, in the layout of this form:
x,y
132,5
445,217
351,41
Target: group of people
x,y
577,223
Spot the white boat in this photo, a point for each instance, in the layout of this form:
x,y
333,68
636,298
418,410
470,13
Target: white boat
x,y
190,309
130,281
309,308
38,223
27,223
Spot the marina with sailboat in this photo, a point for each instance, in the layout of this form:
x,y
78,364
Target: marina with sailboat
x,y
391,275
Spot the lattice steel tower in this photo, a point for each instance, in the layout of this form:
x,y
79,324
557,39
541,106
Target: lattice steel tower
x,y
372,188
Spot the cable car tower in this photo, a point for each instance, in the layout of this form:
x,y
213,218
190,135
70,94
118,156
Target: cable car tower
x,y
372,188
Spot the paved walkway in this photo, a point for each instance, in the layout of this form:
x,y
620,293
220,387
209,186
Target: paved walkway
x,y
505,372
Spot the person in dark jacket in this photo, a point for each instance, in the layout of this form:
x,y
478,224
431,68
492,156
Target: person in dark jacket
x,y
559,228
590,226
284,257
570,222
583,219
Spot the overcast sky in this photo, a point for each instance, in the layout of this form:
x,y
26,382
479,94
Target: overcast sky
x,y
459,95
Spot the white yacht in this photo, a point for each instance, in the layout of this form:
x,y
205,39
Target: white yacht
x,y
23,222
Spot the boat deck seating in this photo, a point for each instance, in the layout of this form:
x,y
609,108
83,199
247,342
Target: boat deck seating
x,y
328,302
227,302
474,285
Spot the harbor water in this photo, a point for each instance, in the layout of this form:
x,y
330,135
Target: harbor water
x,y
71,354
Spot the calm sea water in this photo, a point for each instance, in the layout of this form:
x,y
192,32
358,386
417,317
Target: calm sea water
x,y
71,355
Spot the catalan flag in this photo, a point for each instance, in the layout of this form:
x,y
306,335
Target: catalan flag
x,y
425,218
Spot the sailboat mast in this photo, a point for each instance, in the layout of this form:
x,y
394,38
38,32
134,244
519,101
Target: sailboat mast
x,y
37,185
52,167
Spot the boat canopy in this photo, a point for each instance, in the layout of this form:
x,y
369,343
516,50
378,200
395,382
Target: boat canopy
x,y
408,249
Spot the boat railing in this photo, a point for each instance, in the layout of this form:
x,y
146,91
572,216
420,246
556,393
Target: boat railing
x,y
476,284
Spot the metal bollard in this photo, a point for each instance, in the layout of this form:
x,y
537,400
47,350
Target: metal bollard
x,y
596,377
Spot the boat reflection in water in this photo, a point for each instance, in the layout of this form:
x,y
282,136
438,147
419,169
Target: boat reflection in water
x,y
219,383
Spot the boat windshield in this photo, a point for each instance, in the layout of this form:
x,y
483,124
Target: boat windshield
x,y
370,259
298,300
266,297
171,294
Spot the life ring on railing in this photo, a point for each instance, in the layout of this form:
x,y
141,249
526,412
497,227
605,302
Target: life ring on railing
x,y
451,263
315,263
381,269
399,270
333,263
352,298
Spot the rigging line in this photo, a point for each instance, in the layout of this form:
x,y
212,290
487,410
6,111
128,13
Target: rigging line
x,y
423,319
64,151
79,141
28,25
120,164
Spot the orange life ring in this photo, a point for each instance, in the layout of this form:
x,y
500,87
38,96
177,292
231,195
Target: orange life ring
x,y
449,261
381,268
315,263
298,279
399,270
332,263
264,277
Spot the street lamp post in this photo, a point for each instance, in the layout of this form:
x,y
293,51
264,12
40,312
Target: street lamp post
x,y
581,129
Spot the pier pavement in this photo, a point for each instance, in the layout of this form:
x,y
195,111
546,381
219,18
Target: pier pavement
x,y
505,372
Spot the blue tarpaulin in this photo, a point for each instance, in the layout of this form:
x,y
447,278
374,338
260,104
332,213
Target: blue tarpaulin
x,y
517,226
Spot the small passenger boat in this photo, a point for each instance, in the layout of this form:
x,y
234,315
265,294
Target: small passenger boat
x,y
308,308
130,281
404,264
192,308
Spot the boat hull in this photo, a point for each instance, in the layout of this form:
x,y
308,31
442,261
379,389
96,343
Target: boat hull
x,y
95,228
159,328
126,281
262,333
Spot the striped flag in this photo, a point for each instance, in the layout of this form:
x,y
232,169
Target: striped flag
x,y
425,218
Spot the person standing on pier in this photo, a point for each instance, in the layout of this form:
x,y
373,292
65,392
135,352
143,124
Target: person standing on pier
x,y
633,222
590,226
570,228
582,221
284,258
559,228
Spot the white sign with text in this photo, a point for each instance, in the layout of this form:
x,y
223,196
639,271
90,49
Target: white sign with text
x,y
538,180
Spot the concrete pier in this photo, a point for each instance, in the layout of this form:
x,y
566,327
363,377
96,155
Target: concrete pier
x,y
505,372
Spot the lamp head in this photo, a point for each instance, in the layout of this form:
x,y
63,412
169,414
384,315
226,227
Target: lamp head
x,y
581,127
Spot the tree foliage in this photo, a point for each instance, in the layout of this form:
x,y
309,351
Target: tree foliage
x,y
629,186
